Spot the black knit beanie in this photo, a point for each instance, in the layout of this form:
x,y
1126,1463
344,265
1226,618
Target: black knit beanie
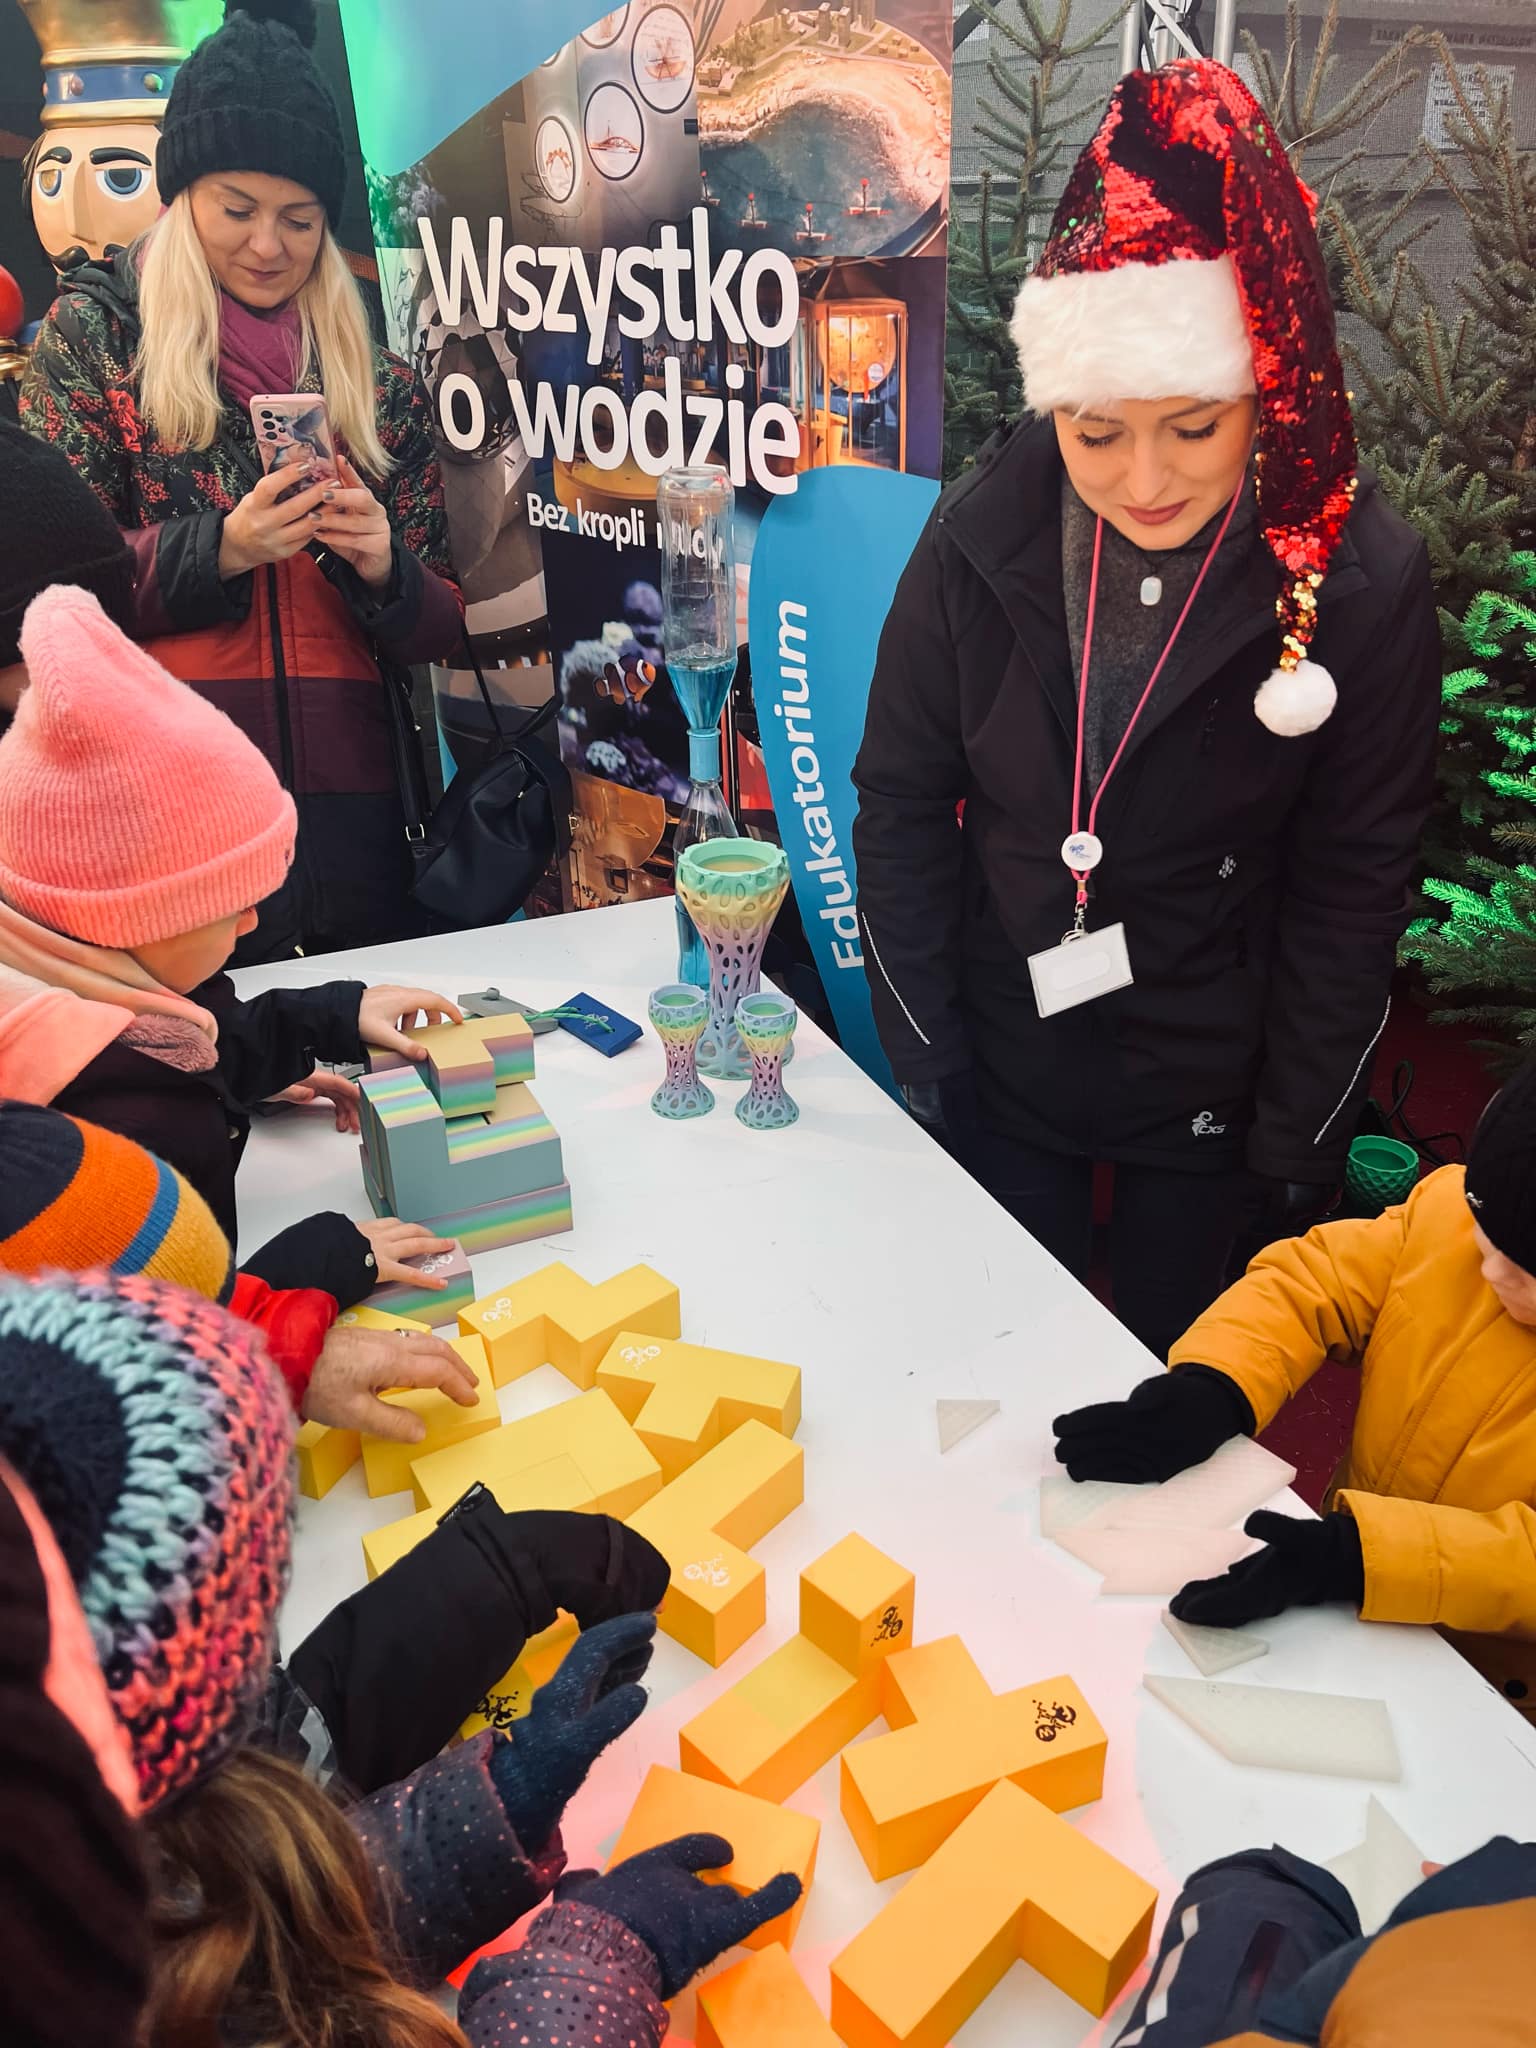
x,y
251,98
53,529
1501,1169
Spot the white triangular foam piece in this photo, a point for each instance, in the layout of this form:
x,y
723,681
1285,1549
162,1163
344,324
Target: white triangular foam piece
x,y
1212,1650
1155,1560
1328,1734
958,1418
1379,1872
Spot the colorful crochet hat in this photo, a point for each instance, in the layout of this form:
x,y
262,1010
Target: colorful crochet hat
x,y
1183,262
74,1197
157,1438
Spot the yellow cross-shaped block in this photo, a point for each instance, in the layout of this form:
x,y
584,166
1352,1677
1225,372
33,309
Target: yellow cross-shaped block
x,y
684,1398
557,1318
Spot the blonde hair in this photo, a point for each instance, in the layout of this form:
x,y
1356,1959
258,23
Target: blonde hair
x,y
264,1923
178,354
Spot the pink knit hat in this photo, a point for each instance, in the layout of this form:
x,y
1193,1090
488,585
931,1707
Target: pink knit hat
x,y
130,809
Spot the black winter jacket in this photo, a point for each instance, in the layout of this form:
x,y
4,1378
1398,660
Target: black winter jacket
x,y
199,1123
1263,882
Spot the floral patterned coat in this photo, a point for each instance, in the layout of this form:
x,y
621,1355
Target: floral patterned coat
x,y
290,651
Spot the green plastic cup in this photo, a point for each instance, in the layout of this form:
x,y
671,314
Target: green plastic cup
x,y
1380,1173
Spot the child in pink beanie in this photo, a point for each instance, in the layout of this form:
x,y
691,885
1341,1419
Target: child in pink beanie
x,y
139,830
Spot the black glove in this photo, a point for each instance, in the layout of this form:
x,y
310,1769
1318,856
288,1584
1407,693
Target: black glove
x,y
593,1566
1302,1564
1168,1423
684,1922
1269,1210
948,1110
327,1251
543,1763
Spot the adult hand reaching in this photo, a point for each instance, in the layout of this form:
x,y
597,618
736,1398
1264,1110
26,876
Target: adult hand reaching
x,y
685,1922
385,1011
356,1365
261,530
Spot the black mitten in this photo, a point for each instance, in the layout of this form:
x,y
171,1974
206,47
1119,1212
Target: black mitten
x,y
1165,1425
1302,1564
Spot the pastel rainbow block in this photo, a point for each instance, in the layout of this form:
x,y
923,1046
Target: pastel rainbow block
x,y
683,1398
324,1456
387,1464
554,1317
430,1305
704,1524
426,1163
555,1484
488,1225
466,1063
1013,1882
616,1469
761,2003
808,1699
905,1793
766,1838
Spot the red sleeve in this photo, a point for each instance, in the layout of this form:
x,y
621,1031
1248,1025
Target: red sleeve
x,y
295,1322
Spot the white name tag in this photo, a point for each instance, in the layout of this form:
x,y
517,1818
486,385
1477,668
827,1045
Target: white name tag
x,y
1081,970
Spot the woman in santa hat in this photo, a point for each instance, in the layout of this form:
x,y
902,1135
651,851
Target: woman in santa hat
x,y
1151,735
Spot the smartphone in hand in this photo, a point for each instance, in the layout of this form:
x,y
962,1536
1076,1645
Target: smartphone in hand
x,y
293,430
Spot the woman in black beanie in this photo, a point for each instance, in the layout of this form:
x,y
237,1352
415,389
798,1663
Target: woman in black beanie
x,y
289,616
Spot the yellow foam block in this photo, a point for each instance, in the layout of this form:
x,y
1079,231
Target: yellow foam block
x,y
324,1455
512,1695
905,1793
366,1318
761,2003
704,1523
779,1724
617,1471
856,1604
802,1704
387,1464
554,1317
937,1677
1013,1881
555,1484
765,1837
683,1398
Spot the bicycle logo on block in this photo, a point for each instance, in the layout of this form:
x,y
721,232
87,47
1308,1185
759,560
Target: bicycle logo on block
x,y
891,1626
1049,1721
712,1571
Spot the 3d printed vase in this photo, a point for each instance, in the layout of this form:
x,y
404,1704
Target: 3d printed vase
x,y
732,889
679,1013
766,1023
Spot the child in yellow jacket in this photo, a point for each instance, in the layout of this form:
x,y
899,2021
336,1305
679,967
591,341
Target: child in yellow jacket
x,y
1434,1519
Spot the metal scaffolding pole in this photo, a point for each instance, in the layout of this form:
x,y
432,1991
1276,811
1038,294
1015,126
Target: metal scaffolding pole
x,y
1155,31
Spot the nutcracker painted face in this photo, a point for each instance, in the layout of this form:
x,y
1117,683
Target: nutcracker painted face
x,y
108,69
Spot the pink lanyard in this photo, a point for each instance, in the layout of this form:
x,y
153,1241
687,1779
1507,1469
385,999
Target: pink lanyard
x,y
1080,875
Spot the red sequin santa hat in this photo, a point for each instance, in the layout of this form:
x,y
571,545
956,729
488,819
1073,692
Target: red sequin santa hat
x,y
1183,262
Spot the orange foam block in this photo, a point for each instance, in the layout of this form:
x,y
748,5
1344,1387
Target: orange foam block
x,y
905,1793
554,1317
1013,1882
704,1524
761,2003
615,1469
765,1837
323,1456
683,1398
387,1465
793,1712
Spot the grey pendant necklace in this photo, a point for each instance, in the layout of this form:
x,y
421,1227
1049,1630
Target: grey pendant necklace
x,y
1151,590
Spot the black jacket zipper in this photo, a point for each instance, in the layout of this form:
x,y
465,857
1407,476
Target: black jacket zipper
x,y
279,682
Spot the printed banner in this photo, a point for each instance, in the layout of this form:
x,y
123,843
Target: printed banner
x,y
677,231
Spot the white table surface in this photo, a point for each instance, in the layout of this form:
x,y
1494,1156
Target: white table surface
x,y
853,1247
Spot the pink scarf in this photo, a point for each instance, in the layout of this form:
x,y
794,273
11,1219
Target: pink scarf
x,y
162,1024
259,352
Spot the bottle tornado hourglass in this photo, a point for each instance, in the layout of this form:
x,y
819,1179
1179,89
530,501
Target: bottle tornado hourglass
x,y
694,516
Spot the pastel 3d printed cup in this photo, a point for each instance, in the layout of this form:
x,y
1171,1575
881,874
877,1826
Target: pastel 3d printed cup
x,y
766,1022
732,889
679,1013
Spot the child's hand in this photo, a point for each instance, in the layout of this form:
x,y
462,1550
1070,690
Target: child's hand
x,y
356,1365
394,1242
385,1011
324,1086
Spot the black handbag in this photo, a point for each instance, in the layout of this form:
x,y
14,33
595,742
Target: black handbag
x,y
476,857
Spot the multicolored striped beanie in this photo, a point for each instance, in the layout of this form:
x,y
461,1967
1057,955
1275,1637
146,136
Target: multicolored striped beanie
x,y
158,1440
74,1197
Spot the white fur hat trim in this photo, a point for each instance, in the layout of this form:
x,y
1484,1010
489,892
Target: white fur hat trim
x,y
1143,331
1293,701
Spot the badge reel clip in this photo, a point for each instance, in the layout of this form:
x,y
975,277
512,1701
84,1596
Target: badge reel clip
x,y
1086,964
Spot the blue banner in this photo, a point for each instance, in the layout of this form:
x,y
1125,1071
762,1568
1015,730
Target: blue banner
x,y
823,575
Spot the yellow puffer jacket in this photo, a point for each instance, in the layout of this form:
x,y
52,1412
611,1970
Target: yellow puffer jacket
x,y
1441,1474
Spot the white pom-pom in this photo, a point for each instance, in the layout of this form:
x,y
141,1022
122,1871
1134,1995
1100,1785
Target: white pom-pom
x,y
1294,701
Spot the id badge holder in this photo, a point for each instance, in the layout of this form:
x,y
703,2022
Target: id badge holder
x,y
1085,966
